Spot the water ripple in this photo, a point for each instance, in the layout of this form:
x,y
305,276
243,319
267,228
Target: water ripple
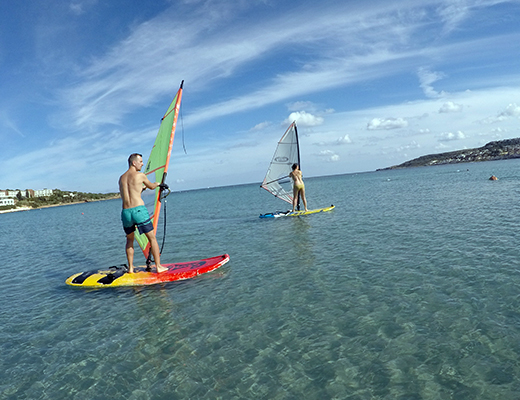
x,y
408,289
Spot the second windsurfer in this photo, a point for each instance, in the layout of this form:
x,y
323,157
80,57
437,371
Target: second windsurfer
x,y
298,187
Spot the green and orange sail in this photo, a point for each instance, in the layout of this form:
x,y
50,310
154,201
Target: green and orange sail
x,y
157,165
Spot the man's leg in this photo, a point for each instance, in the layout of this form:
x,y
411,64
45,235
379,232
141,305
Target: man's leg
x,y
155,251
130,251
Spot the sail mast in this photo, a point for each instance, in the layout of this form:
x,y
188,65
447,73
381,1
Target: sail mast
x,y
297,143
299,165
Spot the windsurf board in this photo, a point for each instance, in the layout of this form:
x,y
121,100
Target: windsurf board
x,y
279,214
119,276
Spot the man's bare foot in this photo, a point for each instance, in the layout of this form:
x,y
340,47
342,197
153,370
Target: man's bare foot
x,y
130,270
160,269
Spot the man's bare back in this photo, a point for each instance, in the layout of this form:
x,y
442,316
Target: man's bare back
x,y
131,185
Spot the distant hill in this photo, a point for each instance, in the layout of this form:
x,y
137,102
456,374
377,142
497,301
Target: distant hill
x,y
498,150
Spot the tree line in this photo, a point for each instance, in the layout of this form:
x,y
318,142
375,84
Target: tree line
x,y
58,197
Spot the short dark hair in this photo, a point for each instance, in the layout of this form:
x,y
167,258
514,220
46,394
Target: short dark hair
x,y
132,158
294,166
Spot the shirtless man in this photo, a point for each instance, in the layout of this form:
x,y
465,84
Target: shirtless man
x,y
131,184
298,186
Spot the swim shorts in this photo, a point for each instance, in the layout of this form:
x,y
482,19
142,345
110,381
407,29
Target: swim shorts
x,y
136,216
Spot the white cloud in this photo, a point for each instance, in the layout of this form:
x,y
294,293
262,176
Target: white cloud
x,y
441,146
260,126
450,107
453,12
512,110
410,146
329,155
498,130
449,136
344,139
426,79
303,118
388,123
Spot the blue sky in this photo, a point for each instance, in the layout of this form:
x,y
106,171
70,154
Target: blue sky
x,y
370,83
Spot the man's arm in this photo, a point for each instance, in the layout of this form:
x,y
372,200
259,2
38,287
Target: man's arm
x,y
149,184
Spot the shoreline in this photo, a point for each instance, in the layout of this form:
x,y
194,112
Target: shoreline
x,y
54,205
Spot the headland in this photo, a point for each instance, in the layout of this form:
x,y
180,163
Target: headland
x,y
497,150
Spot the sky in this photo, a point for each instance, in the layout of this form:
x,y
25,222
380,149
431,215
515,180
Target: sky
x,y
370,84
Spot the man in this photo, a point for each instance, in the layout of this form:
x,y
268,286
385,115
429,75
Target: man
x,y
131,184
298,186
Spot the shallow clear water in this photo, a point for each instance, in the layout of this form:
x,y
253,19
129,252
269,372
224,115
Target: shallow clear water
x,y
409,289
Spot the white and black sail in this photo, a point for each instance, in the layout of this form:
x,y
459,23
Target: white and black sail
x,y
287,153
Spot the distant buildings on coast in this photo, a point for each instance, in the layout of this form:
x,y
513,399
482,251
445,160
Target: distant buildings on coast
x,y
8,197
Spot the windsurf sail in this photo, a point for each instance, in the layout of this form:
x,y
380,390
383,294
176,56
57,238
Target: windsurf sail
x,y
157,167
287,153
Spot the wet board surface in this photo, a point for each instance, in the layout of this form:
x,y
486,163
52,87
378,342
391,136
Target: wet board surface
x,y
118,275
279,214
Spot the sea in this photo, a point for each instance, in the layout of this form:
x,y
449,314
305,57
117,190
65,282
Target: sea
x,y
408,289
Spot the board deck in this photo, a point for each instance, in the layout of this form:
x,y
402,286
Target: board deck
x,y
118,275
279,214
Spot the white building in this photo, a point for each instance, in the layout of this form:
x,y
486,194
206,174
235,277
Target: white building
x,y
6,202
12,194
43,193
8,194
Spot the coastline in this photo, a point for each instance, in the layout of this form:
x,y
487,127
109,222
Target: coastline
x,y
54,205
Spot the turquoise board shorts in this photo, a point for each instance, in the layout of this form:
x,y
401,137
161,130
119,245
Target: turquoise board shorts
x,y
136,216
